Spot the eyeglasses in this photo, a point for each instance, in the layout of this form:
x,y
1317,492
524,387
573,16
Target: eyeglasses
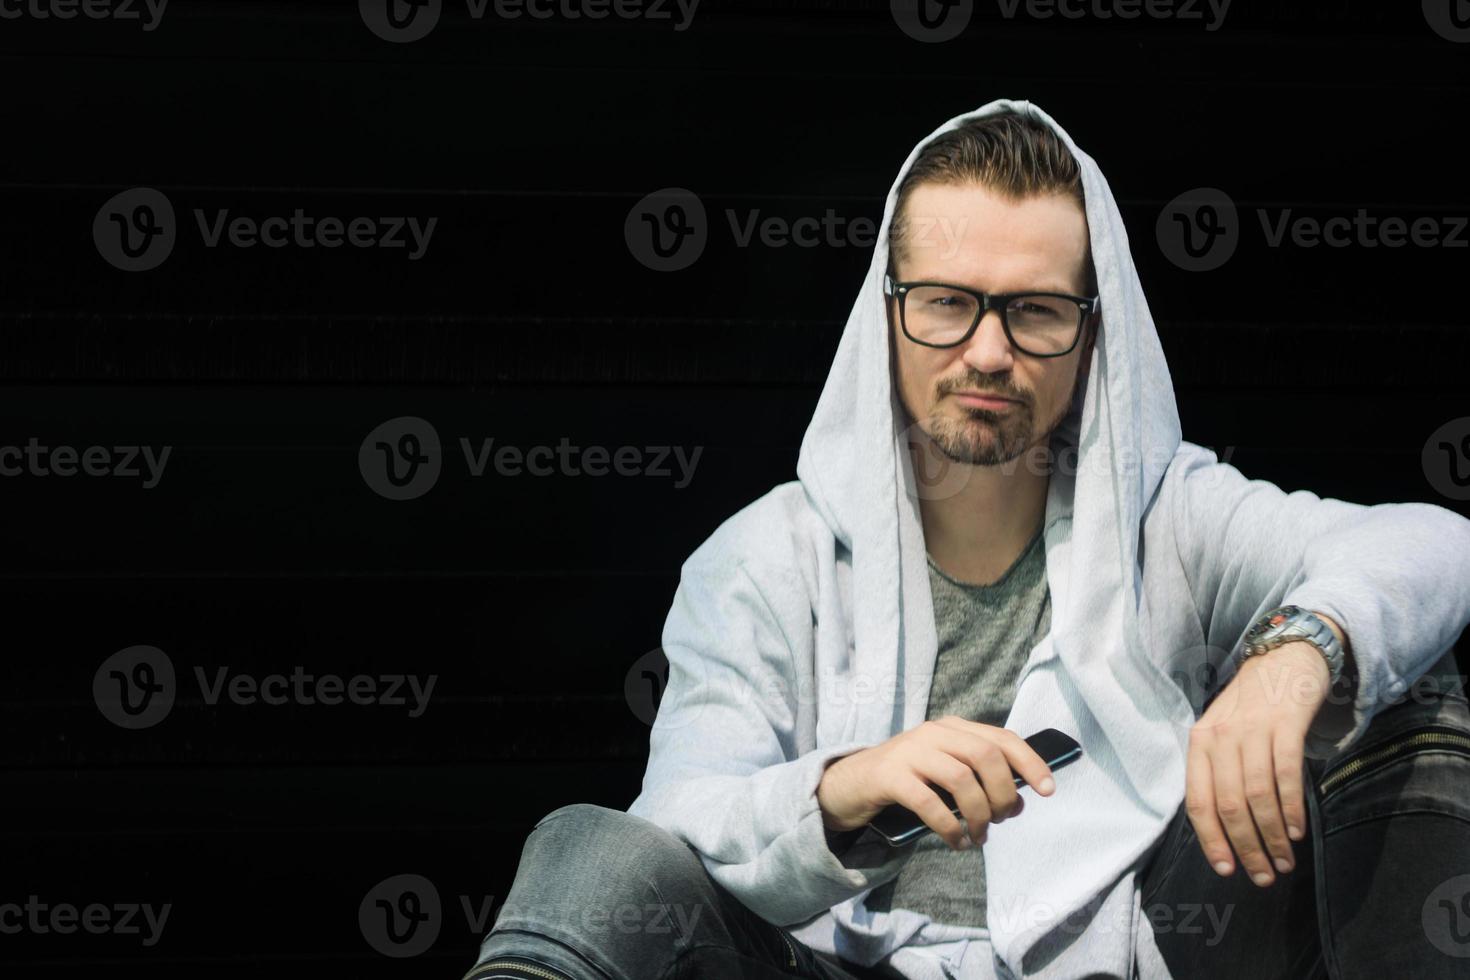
x,y
938,314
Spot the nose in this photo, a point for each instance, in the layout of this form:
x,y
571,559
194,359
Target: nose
x,y
989,350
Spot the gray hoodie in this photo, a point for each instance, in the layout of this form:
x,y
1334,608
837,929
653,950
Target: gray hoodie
x,y
802,630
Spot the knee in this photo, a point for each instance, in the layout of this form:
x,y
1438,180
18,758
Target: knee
x,y
587,825
608,886
588,818
594,850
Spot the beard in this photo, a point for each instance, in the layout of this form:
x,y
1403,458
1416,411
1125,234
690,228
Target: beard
x,y
981,437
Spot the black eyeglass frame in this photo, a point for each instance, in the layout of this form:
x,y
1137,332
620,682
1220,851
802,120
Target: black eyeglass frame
x,y
1086,306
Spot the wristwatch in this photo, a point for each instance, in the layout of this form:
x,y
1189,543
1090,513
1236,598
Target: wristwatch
x,y
1290,624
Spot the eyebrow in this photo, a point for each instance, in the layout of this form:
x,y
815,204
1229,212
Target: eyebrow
x,y
1051,288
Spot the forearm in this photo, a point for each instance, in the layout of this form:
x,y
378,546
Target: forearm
x,y
763,839
1393,584
1395,608
1304,661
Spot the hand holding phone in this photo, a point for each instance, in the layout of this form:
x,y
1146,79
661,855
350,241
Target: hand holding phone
x,y
974,764
898,825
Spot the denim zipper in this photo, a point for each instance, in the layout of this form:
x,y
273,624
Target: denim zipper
x,y
1447,739
488,970
790,950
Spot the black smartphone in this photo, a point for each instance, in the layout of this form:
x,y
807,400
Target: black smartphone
x,y
897,824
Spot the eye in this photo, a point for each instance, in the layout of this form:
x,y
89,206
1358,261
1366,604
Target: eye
x,y
1037,309
944,299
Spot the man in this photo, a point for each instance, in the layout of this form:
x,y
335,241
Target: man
x,y
997,529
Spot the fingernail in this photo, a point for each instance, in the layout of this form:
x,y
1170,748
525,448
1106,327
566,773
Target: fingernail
x,y
1261,878
1046,785
965,842
1295,833
1283,865
1223,867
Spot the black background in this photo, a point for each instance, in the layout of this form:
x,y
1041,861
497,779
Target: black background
x,y
528,319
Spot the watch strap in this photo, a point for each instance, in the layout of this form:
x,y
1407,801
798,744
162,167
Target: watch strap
x,y
1291,624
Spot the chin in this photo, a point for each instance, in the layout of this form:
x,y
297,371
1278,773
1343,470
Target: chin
x,y
980,438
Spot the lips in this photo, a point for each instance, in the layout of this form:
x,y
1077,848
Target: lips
x,y
985,400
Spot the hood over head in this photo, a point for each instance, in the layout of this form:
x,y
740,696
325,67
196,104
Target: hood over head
x,y
1110,454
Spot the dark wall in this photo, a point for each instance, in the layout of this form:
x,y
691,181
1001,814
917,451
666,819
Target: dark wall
x,y
271,543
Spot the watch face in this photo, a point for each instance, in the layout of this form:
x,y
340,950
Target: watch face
x,y
1272,623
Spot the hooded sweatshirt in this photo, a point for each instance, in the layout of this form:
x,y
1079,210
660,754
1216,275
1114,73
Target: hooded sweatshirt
x,y
803,630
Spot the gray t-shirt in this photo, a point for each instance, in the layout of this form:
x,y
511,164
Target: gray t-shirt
x,y
986,633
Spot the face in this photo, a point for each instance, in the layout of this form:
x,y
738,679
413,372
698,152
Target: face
x,y
969,236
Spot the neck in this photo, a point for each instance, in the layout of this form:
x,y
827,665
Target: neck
x,y
978,519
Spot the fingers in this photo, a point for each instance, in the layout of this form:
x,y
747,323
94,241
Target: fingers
x,y
1026,762
943,769
989,762
1199,805
918,796
1289,785
977,766
1019,756
985,757
1258,763
1236,814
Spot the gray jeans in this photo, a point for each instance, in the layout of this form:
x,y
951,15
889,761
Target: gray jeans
x,y
1381,887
